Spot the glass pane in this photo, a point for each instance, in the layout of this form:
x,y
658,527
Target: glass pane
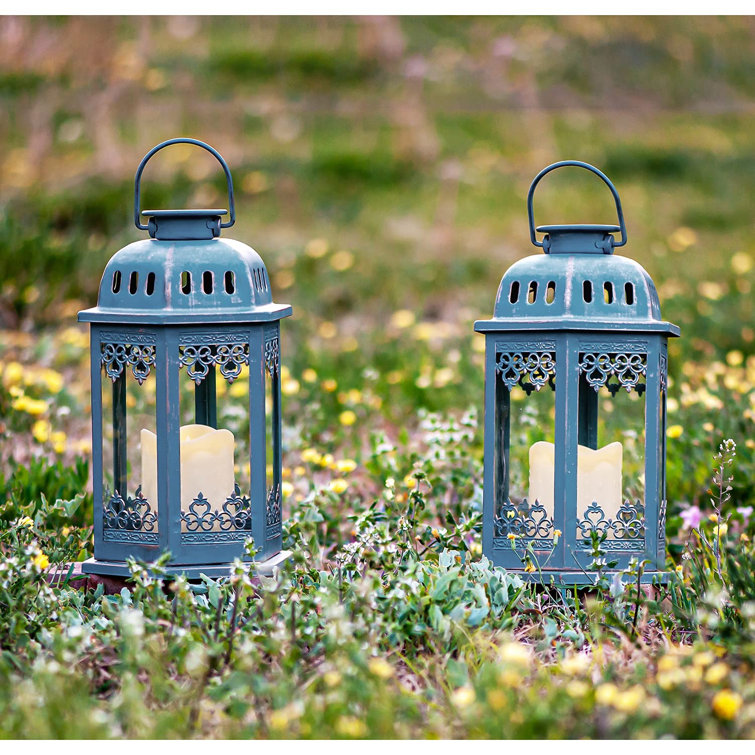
x,y
611,453
128,412
214,438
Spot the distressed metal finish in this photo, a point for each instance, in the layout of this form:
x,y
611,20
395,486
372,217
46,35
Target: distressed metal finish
x,y
184,300
575,319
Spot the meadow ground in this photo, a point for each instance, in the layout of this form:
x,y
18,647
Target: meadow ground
x,y
381,168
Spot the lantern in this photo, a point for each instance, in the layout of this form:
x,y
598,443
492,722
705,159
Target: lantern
x,y
575,408
186,400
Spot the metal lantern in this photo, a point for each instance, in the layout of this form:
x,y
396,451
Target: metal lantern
x,y
186,401
575,408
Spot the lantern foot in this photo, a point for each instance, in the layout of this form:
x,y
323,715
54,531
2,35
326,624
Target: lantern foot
x,y
266,568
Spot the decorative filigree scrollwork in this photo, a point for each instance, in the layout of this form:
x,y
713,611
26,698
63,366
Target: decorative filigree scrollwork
x,y
115,356
133,514
141,359
530,370
273,506
272,356
629,523
198,359
523,520
234,514
663,372
628,369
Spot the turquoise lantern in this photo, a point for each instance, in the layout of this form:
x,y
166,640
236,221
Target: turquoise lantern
x,y
575,407
186,399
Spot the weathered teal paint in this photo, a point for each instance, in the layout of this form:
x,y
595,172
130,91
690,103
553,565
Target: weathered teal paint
x,y
184,299
571,320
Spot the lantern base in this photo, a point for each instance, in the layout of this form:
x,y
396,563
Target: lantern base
x,y
264,568
566,578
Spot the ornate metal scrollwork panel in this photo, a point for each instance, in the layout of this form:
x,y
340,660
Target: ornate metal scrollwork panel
x,y
129,520
140,357
200,351
627,526
522,520
234,515
273,513
272,356
626,367
530,370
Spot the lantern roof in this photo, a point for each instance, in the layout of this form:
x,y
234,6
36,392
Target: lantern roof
x,y
579,283
185,273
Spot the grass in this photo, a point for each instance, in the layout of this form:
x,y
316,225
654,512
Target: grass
x,y
381,168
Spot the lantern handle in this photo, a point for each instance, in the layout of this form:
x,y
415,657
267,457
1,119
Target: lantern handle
x,y
197,143
592,169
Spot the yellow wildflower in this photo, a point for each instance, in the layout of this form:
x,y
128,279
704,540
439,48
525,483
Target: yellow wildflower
x,y
344,466
349,726
606,693
681,239
332,678
463,697
380,668
316,248
327,330
347,418
575,664
674,431
53,380
25,521
511,536
342,260
58,439
530,567
629,700
290,387
496,699
310,456
41,561
339,485
287,489
516,653
32,406
716,673
329,385
410,480
577,688
13,373
309,375
41,431
403,318
726,704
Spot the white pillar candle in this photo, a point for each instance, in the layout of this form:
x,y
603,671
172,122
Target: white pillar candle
x,y
598,477
206,465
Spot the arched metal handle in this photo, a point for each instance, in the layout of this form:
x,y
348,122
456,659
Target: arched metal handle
x,y
197,143
574,164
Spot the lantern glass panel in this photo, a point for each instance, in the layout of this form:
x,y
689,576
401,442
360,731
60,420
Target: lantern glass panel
x,y
127,382
525,437
611,462
214,435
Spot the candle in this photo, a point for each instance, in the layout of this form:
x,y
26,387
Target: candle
x,y
598,477
206,465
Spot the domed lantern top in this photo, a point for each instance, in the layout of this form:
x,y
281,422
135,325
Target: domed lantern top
x,y
185,273
579,283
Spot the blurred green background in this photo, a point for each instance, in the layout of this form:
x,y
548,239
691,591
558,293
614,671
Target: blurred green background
x,y
381,167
